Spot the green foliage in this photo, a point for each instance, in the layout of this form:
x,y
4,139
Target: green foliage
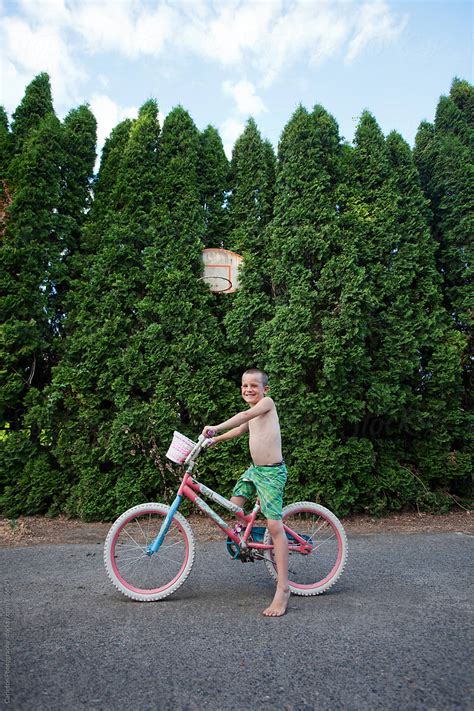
x,y
304,217
444,156
182,340
79,139
213,176
462,95
103,205
31,482
250,210
29,255
36,104
354,296
5,144
77,165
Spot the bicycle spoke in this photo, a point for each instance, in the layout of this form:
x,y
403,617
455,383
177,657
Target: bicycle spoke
x,y
316,547
317,562
138,545
170,545
142,566
132,569
131,562
148,527
165,558
135,549
316,530
141,529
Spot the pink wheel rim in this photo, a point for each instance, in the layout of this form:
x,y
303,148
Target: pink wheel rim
x,y
146,591
330,575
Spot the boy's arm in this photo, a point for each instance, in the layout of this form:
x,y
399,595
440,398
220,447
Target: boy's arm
x,y
231,434
262,407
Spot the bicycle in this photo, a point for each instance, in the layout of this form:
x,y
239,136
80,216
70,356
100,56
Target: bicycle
x,y
149,550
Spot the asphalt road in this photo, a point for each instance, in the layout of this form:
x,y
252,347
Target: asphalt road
x,y
392,634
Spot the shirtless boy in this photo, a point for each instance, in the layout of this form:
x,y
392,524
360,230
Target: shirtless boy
x,y
267,476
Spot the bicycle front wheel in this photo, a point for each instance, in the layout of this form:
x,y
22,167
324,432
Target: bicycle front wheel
x,y
137,574
317,569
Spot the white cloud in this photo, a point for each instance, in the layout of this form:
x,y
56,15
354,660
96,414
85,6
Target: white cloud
x,y
243,93
12,83
374,24
131,28
161,118
108,114
230,130
259,38
268,37
26,51
53,13
228,32
103,80
310,32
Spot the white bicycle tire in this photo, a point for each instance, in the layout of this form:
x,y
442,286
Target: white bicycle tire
x,y
318,587
180,527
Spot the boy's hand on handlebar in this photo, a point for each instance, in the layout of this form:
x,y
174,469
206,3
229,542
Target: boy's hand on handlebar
x,y
209,431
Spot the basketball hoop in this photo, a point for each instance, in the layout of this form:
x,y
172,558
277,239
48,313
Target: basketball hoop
x,y
217,284
221,270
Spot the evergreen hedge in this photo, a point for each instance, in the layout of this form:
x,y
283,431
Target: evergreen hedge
x,y
355,296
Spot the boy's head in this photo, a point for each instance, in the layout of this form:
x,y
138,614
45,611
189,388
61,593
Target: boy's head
x,y
254,385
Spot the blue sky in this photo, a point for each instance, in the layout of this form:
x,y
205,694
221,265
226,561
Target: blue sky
x,y
226,60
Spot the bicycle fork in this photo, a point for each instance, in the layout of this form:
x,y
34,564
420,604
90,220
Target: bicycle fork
x,y
155,545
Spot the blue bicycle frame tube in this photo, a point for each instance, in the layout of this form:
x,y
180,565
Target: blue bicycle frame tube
x,y
154,546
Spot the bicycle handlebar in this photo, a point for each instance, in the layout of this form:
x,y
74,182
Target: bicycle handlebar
x,y
201,444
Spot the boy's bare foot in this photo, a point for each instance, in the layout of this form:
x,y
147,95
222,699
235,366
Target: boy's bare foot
x,y
279,604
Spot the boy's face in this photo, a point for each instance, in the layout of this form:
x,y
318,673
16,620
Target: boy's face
x,y
253,390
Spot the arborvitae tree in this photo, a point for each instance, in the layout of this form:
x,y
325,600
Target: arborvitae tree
x,y
175,288
104,207
213,174
5,144
359,333
406,335
35,105
79,141
252,189
183,344
444,156
30,251
462,94
302,360
425,349
143,353
250,210
77,165
5,156
91,384
382,333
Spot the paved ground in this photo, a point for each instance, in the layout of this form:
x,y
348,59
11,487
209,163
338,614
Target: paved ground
x,y
392,634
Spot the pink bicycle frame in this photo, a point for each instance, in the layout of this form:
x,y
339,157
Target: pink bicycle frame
x,y
191,488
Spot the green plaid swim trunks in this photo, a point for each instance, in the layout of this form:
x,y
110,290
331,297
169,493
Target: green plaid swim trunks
x,y
268,483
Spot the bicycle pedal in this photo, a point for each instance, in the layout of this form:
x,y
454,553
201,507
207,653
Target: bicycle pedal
x,y
232,548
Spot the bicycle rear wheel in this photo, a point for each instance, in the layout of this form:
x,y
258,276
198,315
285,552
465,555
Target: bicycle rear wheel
x,y
138,575
315,571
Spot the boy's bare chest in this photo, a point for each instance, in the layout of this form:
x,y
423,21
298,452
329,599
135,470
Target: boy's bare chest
x,y
264,425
